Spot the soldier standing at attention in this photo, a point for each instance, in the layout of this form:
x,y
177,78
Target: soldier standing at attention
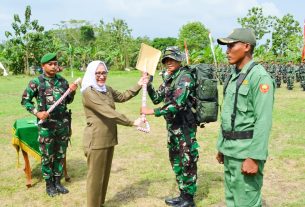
x,y
302,75
278,75
290,76
246,120
176,89
54,132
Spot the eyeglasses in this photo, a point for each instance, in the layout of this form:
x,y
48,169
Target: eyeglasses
x,y
99,74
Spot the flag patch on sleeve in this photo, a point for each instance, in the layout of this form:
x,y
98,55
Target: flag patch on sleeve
x,y
264,88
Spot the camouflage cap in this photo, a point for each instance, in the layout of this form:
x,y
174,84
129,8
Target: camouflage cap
x,y
245,35
172,52
48,57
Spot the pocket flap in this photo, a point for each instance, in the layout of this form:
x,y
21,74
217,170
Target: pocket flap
x,y
243,90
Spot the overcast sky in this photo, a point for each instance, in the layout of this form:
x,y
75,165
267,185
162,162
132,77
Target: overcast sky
x,y
152,18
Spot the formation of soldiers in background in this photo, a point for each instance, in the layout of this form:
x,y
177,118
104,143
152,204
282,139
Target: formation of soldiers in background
x,y
288,73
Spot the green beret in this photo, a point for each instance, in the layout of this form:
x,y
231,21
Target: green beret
x,y
48,57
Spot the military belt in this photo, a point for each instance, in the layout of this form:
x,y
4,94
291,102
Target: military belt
x,y
233,135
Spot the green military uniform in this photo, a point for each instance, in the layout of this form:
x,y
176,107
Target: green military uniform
x,y
182,143
272,71
284,72
278,76
246,120
302,75
253,115
290,76
297,72
54,132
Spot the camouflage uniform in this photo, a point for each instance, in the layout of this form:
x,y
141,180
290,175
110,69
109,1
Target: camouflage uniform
x,y
290,76
302,75
297,73
278,76
272,71
284,72
54,132
182,143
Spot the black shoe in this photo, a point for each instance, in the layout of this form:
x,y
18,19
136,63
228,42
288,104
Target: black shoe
x,y
187,200
60,189
50,188
173,201
186,203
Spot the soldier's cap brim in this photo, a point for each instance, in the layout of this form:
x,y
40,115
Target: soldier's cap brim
x,y
225,41
171,57
245,35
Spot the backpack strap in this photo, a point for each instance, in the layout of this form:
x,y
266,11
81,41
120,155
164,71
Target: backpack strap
x,y
239,81
225,85
42,89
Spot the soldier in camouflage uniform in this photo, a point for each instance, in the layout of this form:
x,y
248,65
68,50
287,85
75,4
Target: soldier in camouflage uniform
x,y
284,72
278,75
272,70
302,75
297,72
175,91
290,76
54,132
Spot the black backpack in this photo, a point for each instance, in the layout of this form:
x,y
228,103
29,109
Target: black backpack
x,y
204,104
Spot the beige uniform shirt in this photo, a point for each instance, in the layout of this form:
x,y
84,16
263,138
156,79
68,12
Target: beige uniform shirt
x,y
102,118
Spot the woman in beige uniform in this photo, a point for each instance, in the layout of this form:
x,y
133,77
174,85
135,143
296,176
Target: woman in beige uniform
x,y
100,134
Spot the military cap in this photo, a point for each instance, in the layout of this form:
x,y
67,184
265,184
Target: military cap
x,y
245,35
172,52
48,57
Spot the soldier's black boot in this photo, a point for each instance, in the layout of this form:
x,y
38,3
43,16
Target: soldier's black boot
x,y
50,188
60,189
173,201
187,201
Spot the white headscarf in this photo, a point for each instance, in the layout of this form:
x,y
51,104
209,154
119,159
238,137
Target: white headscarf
x,y
89,77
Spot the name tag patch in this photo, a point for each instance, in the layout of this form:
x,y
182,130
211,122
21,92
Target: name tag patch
x,y
245,82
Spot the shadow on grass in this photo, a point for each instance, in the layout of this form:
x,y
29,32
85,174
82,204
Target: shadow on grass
x,y
206,181
132,192
76,169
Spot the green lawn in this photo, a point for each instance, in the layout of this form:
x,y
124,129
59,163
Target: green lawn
x,y
141,173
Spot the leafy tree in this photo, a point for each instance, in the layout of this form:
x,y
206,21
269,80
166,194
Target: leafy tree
x,y
87,34
114,39
196,35
162,43
256,20
69,31
206,56
286,36
24,47
263,53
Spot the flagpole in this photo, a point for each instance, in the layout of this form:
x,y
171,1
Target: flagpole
x,y
212,48
186,53
303,52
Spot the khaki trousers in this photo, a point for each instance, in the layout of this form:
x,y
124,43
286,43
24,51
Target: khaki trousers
x,y
99,166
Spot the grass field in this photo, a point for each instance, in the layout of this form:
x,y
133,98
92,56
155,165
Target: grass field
x,y
141,174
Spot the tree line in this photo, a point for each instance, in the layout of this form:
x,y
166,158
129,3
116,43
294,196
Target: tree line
x,y
78,41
